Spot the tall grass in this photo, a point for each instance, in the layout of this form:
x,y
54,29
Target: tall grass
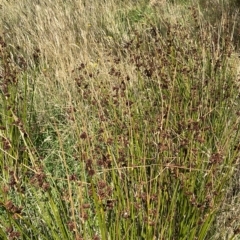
x,y
118,121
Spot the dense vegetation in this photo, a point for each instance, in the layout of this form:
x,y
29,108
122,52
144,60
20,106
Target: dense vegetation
x,y
119,120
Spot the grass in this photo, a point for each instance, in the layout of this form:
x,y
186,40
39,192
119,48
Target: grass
x,y
118,121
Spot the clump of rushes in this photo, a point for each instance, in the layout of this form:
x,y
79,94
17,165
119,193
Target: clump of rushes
x,y
143,149
13,117
15,152
165,143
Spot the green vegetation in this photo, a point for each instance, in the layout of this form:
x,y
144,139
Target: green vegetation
x,y
119,120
